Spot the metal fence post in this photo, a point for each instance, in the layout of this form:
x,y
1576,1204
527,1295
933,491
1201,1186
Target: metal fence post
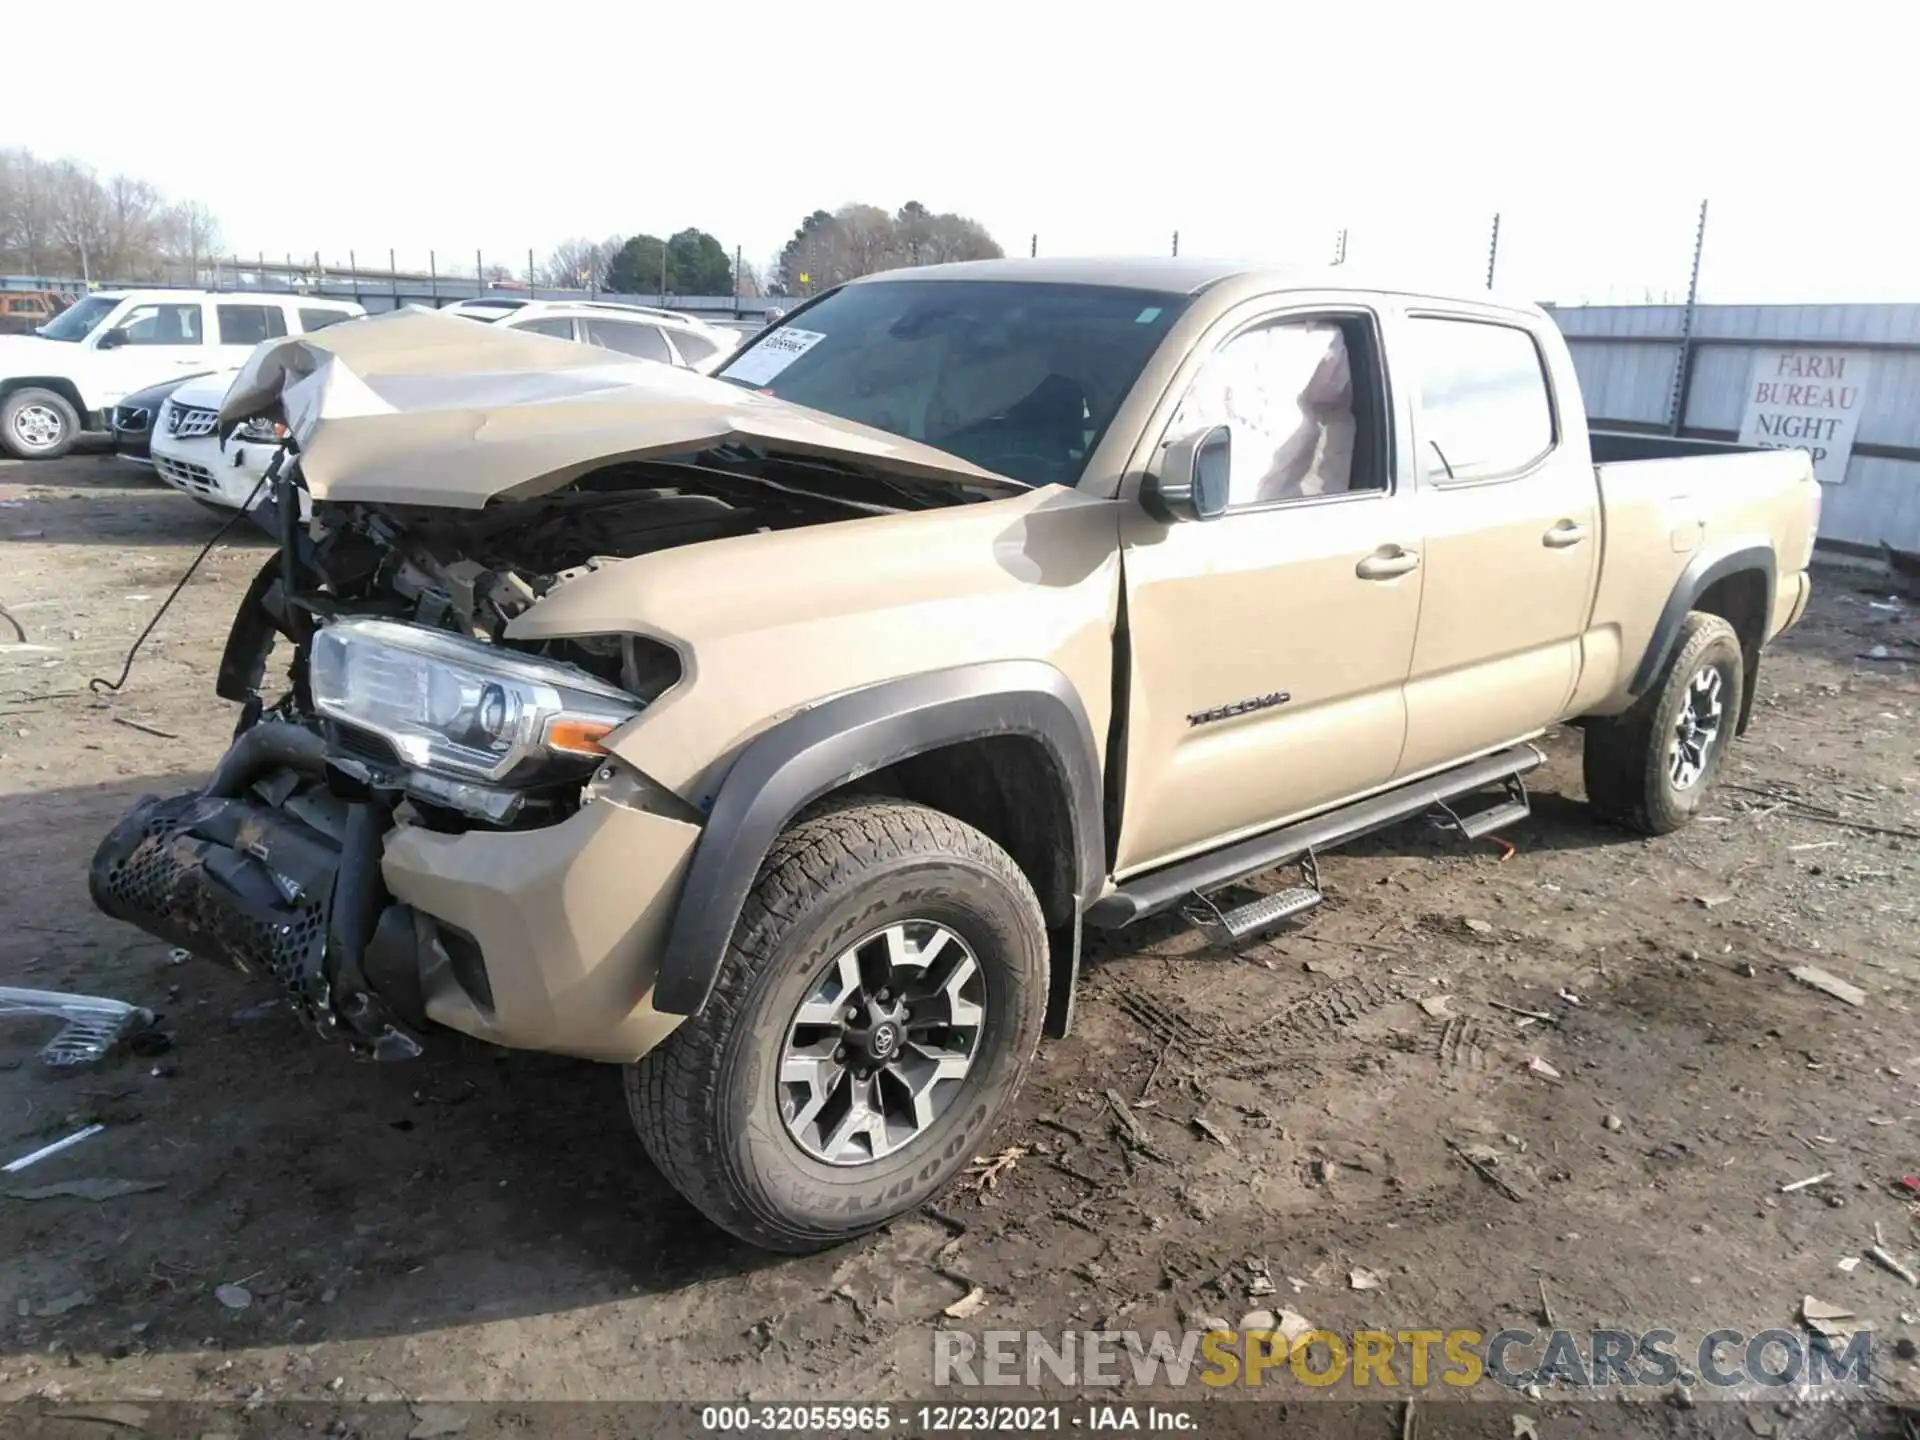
x,y
1493,249
1683,364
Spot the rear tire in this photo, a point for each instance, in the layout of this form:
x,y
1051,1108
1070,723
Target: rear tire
x,y
723,1104
1649,768
37,424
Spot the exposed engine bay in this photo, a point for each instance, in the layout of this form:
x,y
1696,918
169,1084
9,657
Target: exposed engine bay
x,y
471,572
274,866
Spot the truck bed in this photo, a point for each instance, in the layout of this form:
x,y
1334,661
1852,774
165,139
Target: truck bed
x,y
1666,514
1615,446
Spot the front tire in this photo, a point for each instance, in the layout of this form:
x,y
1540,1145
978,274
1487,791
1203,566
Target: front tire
x,y
880,1000
37,424
1649,768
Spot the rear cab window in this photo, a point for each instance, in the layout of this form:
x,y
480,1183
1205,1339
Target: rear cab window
x,y
1486,410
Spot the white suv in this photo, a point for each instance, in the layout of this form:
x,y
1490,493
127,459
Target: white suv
x,y
68,375
637,330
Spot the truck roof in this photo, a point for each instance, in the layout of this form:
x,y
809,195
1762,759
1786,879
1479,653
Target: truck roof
x,y
1184,275
1159,272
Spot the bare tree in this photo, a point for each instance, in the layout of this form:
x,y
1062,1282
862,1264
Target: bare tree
x,y
26,214
189,231
570,264
80,225
581,264
59,218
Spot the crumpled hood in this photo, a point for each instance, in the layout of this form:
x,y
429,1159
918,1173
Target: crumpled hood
x,y
419,408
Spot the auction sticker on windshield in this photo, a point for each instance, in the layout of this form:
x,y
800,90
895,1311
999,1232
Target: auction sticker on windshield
x,y
772,355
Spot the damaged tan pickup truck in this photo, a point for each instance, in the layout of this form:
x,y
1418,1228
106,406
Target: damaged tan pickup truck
x,y
776,735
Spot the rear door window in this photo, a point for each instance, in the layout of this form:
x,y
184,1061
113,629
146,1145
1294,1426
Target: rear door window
x,y
312,320
629,337
693,348
1485,410
250,324
558,326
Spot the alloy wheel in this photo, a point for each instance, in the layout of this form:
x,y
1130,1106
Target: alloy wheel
x,y
38,427
882,1043
1697,730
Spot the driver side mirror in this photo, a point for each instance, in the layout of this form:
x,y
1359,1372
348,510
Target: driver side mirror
x,y
1192,478
114,338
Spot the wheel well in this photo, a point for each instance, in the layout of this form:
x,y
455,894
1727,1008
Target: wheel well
x,y
1742,600
1008,788
59,384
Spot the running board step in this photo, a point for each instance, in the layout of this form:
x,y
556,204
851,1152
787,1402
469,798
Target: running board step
x,y
1515,808
1498,818
1263,914
1142,895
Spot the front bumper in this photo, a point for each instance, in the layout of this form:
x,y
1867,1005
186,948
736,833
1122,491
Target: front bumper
x,y
569,920
543,939
200,468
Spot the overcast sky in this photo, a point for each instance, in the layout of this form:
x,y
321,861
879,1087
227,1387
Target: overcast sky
x,y
1253,129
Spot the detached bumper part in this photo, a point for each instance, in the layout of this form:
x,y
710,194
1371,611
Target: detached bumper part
x,y
546,938
91,1025
267,872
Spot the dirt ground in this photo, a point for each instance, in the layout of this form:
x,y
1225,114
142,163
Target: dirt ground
x,y
484,1225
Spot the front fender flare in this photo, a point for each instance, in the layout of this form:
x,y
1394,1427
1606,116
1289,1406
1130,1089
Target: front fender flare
x,y
809,754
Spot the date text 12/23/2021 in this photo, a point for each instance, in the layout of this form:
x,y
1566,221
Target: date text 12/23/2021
x,y
943,1419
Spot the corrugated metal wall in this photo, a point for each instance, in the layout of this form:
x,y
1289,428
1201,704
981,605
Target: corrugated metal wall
x,y
1627,357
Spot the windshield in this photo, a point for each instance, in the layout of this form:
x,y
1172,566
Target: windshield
x,y
75,323
1018,377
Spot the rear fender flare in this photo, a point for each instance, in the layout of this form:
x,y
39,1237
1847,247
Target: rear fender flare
x,y
794,763
1699,576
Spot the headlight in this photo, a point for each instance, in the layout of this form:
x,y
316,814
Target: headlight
x,y
461,708
262,432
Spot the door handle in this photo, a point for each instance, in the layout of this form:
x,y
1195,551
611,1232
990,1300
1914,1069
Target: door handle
x,y
1567,532
1387,562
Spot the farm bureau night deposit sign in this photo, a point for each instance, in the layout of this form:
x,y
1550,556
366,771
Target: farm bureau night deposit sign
x,y
1807,400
